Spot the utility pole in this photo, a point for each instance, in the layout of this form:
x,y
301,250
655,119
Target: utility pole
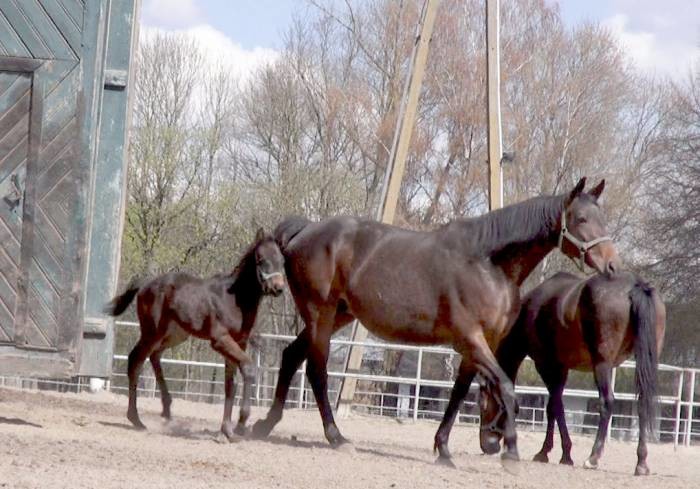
x,y
393,176
493,80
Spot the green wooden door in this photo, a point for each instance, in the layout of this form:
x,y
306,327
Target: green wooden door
x,y
51,62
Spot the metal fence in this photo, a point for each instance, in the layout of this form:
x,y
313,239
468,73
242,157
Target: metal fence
x,y
417,396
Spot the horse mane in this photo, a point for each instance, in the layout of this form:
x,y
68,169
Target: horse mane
x,y
527,221
246,264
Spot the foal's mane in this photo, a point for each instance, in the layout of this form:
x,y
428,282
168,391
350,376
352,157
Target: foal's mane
x,y
527,221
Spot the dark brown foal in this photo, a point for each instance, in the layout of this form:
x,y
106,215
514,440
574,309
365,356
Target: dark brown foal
x,y
589,324
221,309
457,285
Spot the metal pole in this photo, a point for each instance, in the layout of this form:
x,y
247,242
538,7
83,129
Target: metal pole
x,y
493,80
677,426
418,377
302,385
258,376
393,176
612,415
689,414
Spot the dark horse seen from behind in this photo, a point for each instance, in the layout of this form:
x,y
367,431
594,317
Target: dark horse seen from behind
x,y
457,285
221,309
591,324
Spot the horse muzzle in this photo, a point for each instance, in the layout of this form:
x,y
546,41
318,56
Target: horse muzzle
x,y
490,443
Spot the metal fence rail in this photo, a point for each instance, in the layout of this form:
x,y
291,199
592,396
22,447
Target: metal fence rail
x,y
679,419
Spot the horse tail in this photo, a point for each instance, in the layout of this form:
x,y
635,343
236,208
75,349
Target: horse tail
x,y
287,229
119,304
643,317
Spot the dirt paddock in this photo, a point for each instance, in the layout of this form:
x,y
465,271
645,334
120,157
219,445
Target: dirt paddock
x,y
52,440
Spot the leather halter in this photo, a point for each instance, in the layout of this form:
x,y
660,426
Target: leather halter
x,y
268,276
582,246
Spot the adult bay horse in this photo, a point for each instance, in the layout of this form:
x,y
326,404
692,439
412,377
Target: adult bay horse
x,y
583,324
457,285
221,309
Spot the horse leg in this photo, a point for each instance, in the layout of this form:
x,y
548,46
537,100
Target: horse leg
x,y
136,358
292,357
229,393
602,373
491,371
561,421
555,377
316,371
459,392
543,454
246,397
165,397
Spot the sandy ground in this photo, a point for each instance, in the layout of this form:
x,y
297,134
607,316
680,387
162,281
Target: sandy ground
x,y
50,440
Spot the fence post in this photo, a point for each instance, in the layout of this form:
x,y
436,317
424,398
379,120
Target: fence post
x,y
302,385
608,435
381,404
418,378
679,394
689,414
258,376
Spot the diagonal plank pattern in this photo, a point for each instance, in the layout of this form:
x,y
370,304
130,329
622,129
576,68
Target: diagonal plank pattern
x,y
36,252
14,131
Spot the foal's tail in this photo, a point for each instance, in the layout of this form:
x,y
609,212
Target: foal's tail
x,y
119,304
287,229
643,316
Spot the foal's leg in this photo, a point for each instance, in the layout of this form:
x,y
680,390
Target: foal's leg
x,y
292,357
229,393
227,427
602,372
459,392
162,386
246,397
136,358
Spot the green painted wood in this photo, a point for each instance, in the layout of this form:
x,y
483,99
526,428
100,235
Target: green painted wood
x,y
110,178
62,139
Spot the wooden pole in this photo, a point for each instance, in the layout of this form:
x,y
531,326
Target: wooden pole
x,y
393,176
493,80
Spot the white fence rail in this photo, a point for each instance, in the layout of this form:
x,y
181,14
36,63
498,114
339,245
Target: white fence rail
x,y
679,409
417,396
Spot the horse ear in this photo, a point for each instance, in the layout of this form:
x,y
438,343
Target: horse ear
x,y
260,235
576,191
598,189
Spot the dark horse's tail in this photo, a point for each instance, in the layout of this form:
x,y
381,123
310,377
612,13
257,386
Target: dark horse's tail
x,y
287,229
119,304
643,316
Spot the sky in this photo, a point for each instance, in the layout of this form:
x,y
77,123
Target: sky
x,y
662,36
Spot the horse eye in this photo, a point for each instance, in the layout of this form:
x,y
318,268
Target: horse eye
x,y
581,220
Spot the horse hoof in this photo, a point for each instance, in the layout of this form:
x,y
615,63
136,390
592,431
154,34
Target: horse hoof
x,y
345,447
261,429
228,431
566,461
445,462
136,422
541,457
241,430
510,464
590,465
641,470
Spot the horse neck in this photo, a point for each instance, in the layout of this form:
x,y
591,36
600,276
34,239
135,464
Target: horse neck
x,y
521,252
246,287
518,261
